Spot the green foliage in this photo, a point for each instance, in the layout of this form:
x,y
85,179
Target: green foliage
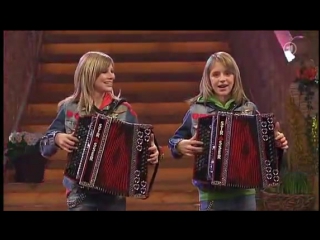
x,y
14,150
295,183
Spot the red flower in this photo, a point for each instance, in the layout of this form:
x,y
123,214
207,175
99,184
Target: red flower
x,y
307,73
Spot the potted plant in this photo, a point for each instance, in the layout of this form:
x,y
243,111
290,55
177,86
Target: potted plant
x,y
297,189
293,194
23,153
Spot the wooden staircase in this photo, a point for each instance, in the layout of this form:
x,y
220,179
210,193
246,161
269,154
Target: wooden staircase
x,y
155,70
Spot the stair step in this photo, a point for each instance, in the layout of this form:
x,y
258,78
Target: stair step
x,y
130,77
139,92
36,198
164,174
162,131
123,57
136,48
47,120
160,185
117,32
167,162
137,87
135,67
147,112
136,206
157,36
171,186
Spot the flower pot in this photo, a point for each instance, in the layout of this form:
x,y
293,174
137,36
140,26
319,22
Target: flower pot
x,y
286,202
8,171
30,168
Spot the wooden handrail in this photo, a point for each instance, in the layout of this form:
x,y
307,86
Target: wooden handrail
x,y
30,81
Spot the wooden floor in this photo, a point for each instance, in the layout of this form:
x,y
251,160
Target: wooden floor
x,y
160,207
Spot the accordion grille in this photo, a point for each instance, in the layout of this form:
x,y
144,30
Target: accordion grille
x,y
244,160
114,170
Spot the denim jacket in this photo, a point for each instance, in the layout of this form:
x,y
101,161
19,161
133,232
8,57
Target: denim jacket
x,y
66,121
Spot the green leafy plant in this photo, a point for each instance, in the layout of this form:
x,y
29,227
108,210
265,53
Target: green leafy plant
x,y
22,143
295,183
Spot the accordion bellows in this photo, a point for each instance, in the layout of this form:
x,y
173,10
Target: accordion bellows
x,y
239,151
112,156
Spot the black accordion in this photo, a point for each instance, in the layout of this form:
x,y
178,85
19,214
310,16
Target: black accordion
x,y
239,151
111,156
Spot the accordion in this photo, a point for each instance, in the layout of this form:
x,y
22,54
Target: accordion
x,y
111,156
239,151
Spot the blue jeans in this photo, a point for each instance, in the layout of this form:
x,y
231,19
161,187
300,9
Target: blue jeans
x,y
241,203
80,199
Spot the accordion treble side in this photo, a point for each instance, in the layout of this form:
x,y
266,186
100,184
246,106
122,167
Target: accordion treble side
x,y
239,151
113,157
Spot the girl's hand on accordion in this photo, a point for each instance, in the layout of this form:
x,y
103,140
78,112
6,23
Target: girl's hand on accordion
x,y
281,140
66,141
190,147
154,152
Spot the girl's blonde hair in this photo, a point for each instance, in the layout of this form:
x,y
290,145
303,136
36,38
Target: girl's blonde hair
x,y
205,87
90,66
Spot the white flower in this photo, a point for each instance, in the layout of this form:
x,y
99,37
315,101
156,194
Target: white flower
x,y
23,134
12,137
29,138
18,137
33,138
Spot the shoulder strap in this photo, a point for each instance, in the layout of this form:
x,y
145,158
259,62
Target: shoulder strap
x,y
155,169
117,103
112,107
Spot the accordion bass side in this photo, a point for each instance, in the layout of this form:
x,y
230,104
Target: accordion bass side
x,y
239,151
112,156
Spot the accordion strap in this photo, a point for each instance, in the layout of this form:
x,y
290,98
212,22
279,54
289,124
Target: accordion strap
x,y
112,107
156,167
281,163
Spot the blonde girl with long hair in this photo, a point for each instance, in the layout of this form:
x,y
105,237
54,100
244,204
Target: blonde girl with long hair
x,y
93,91
220,89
